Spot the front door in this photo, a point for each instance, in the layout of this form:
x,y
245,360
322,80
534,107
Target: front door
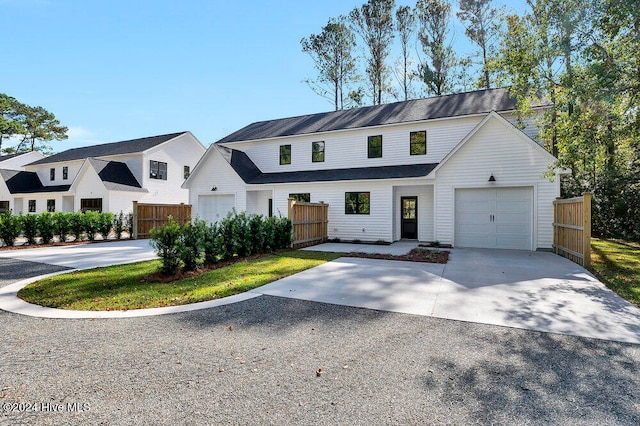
x,y
409,217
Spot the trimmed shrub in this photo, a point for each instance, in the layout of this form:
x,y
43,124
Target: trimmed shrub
x,y
29,227
10,227
61,225
212,242
190,246
46,226
77,225
119,224
129,224
166,241
91,221
105,223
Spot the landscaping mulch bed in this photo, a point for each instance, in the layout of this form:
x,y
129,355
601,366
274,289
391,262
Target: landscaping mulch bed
x,y
418,254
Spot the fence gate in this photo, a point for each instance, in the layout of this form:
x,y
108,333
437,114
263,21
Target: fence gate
x,y
149,216
572,229
310,222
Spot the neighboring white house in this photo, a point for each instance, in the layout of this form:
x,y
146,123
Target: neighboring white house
x,y
106,177
452,169
18,161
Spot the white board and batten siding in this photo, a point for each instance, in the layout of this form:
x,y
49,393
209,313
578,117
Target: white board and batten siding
x,y
514,162
229,186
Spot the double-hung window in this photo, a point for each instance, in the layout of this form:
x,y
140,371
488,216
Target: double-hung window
x,y
285,154
317,152
374,146
418,143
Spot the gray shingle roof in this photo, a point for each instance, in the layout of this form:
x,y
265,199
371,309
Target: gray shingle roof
x,y
116,176
251,174
114,148
20,182
459,104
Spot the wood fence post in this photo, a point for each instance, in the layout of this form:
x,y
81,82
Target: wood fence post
x,y
556,229
134,219
586,232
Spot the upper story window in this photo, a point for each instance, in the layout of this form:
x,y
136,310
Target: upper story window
x,y
418,143
317,152
374,146
65,173
32,206
157,170
285,154
357,202
187,172
52,174
303,197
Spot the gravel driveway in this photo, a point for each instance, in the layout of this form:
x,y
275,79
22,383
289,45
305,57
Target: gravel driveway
x,y
256,362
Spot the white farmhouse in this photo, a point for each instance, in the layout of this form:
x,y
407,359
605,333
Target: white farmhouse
x,y
106,177
453,169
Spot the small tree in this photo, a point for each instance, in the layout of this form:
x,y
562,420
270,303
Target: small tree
x,y
91,221
119,224
61,225
105,223
166,241
77,225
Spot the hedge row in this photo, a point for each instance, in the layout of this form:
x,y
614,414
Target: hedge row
x,y
238,235
61,224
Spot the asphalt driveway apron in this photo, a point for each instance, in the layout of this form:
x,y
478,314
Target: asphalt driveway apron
x,y
531,290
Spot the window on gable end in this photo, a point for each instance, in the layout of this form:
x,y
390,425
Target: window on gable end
x,y
52,174
418,143
65,173
157,170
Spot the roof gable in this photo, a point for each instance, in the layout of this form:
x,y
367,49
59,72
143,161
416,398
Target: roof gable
x,y
116,176
455,105
114,148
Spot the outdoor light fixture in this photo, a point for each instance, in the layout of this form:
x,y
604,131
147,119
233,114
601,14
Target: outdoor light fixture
x,y
215,188
491,178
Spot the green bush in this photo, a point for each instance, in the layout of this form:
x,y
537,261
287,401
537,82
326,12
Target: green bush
x,y
10,227
119,224
105,223
91,221
77,225
190,246
61,225
212,242
46,226
129,224
29,227
166,241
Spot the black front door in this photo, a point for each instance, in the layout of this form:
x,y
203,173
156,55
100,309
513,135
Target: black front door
x,y
409,217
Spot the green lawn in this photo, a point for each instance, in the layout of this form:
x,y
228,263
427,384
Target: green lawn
x,y
125,287
617,264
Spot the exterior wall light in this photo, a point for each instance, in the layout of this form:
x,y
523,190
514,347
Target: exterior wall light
x,y
491,178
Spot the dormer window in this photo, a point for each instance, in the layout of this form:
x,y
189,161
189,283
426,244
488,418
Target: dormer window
x,y
374,146
158,170
285,154
52,174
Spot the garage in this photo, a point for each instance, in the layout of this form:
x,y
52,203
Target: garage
x,y
494,218
212,208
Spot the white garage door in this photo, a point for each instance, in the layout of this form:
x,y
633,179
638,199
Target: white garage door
x,y
494,218
212,208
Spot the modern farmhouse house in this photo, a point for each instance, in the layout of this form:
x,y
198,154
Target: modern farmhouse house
x,y
106,177
453,169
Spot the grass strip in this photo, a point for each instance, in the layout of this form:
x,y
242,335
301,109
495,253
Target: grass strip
x,y
125,287
617,264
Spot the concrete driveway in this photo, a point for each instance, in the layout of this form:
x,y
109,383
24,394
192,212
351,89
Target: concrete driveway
x,y
530,290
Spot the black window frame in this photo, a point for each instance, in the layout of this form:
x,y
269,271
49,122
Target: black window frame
x,y
4,206
31,206
301,197
94,204
285,157
52,173
158,170
51,205
420,144
65,173
316,153
357,206
373,150
186,171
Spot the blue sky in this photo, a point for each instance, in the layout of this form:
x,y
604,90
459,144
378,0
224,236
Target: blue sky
x,y
115,70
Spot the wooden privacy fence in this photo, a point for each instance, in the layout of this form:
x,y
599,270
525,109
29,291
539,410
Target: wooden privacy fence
x,y
149,216
310,222
572,229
